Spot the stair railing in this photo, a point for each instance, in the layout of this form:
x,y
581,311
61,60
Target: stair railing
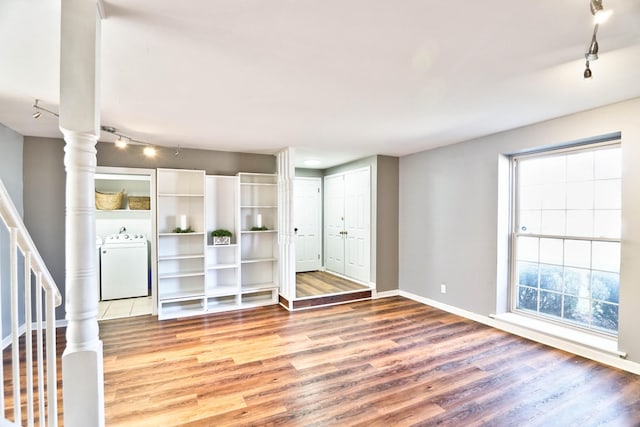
x,y
23,324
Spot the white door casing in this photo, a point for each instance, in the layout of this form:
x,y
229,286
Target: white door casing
x,y
334,223
307,223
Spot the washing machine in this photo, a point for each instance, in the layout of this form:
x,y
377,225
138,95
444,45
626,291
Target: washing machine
x,y
123,266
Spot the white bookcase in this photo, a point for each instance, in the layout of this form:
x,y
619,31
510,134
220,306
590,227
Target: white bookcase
x,y
258,248
196,276
223,261
181,256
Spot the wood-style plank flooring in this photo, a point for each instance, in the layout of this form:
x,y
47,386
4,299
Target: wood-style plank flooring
x,y
316,283
385,362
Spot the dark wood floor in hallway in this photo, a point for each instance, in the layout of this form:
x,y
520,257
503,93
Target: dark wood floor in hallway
x,y
386,362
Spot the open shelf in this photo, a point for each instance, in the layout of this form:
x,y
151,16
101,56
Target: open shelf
x,y
254,260
181,256
221,266
259,287
222,290
178,257
259,297
181,308
181,274
220,303
181,296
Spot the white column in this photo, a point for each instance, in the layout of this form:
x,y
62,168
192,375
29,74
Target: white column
x,y
82,360
287,256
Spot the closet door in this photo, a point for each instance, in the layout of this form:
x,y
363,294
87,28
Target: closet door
x,y
347,217
357,214
334,223
307,222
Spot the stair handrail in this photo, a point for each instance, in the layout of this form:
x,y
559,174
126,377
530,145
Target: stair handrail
x,y
20,240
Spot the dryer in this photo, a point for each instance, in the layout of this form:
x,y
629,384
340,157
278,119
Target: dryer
x,y
124,266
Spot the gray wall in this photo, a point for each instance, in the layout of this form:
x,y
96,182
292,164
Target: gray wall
x,y
44,203
213,162
387,224
11,145
44,185
449,214
309,173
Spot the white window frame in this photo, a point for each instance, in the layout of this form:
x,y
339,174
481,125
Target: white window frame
x,y
514,233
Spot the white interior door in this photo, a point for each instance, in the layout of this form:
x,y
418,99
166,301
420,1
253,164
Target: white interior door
x,y
307,219
334,223
357,214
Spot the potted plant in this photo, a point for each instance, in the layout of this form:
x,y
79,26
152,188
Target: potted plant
x,y
221,236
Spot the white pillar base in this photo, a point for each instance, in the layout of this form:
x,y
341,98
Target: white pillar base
x,y
83,390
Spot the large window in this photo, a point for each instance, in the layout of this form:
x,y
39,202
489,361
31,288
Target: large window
x,y
566,236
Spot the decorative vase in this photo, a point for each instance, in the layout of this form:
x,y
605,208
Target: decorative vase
x,y
222,240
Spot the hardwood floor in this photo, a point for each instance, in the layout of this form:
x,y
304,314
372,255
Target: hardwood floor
x,y
316,283
382,362
386,362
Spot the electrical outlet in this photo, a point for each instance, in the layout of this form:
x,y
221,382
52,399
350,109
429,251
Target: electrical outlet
x,y
443,288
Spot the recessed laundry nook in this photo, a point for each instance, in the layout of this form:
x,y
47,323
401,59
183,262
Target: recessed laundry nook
x,y
125,238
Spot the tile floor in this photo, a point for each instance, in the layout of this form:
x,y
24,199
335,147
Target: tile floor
x,y
128,307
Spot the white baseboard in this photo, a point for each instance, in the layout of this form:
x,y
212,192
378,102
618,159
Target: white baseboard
x,y
386,294
606,358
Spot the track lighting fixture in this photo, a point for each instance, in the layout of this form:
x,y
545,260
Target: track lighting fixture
x,y
121,142
36,114
587,71
124,141
38,110
600,15
149,151
592,53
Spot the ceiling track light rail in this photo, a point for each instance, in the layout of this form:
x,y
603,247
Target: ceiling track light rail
x,y
123,140
38,109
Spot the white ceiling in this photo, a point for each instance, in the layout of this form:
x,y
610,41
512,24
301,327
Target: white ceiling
x,y
336,79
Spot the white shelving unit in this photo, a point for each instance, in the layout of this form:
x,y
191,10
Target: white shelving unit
x,y
223,261
258,248
181,256
196,276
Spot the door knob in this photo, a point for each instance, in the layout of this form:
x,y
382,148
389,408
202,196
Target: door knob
x,y
295,230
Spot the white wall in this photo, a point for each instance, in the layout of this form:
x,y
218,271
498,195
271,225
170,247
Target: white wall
x,y
449,213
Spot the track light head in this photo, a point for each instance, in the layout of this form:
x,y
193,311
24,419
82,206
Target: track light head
x,y
121,142
600,15
587,71
149,151
37,110
36,114
592,53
